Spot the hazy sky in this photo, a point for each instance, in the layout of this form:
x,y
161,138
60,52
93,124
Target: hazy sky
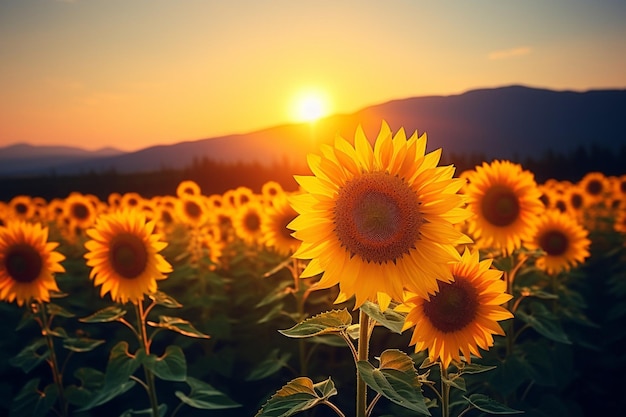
x,y
135,73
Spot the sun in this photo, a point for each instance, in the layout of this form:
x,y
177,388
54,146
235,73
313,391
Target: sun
x,y
309,106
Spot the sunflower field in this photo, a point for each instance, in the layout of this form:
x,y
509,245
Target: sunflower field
x,y
386,285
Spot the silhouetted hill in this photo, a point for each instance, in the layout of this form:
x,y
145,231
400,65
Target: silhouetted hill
x,y
513,122
22,158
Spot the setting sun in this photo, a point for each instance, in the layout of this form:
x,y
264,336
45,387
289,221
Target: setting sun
x,y
309,106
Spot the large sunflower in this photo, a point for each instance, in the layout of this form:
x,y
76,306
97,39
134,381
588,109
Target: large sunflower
x,y
278,215
27,263
506,203
377,221
123,254
463,315
563,240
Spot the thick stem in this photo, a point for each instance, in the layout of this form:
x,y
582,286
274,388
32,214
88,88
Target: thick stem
x,y
445,392
54,363
143,340
362,355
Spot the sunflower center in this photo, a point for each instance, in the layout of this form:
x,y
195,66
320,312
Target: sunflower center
x,y
453,307
594,187
554,242
576,200
128,255
80,211
377,217
252,222
500,206
192,209
21,208
23,263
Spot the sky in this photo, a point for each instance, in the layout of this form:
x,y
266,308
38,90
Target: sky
x,y
131,74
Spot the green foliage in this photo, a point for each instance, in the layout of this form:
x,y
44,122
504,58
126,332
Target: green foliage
x,y
297,395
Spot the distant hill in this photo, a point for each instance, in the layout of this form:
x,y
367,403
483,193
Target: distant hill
x,y
23,158
510,122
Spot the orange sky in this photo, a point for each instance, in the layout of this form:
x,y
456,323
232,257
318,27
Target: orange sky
x,y
132,74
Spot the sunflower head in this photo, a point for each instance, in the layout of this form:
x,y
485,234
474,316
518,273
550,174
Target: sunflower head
x,y
462,316
564,242
123,254
506,203
377,220
27,263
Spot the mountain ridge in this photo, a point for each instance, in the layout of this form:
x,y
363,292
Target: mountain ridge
x,y
502,122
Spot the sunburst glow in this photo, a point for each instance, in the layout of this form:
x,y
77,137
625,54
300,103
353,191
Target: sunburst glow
x,y
309,106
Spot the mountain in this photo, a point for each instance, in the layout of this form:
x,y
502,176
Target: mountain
x,y
22,158
509,122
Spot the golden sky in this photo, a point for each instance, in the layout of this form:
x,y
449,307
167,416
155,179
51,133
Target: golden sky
x,y
136,73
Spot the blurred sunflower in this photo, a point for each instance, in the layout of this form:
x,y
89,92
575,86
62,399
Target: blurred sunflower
x,y
274,228
130,200
186,188
80,210
21,207
463,315
620,221
506,203
191,210
269,190
595,185
563,240
123,254
247,220
27,263
377,221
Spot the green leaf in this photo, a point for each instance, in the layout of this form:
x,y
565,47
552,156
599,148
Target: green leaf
x,y
179,325
172,366
56,310
32,402
474,368
90,381
205,397
165,300
269,366
544,322
487,405
329,322
390,318
454,380
297,395
29,357
81,344
396,380
275,311
105,315
162,409
280,292
121,364
106,394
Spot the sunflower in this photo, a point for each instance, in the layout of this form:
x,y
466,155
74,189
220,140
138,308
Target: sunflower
x,y
506,203
123,254
563,240
247,220
27,263
274,228
22,207
463,315
191,210
378,220
80,210
186,188
595,185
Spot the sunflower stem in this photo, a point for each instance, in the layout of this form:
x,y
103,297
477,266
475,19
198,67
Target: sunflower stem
x,y
362,355
53,361
143,340
445,391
